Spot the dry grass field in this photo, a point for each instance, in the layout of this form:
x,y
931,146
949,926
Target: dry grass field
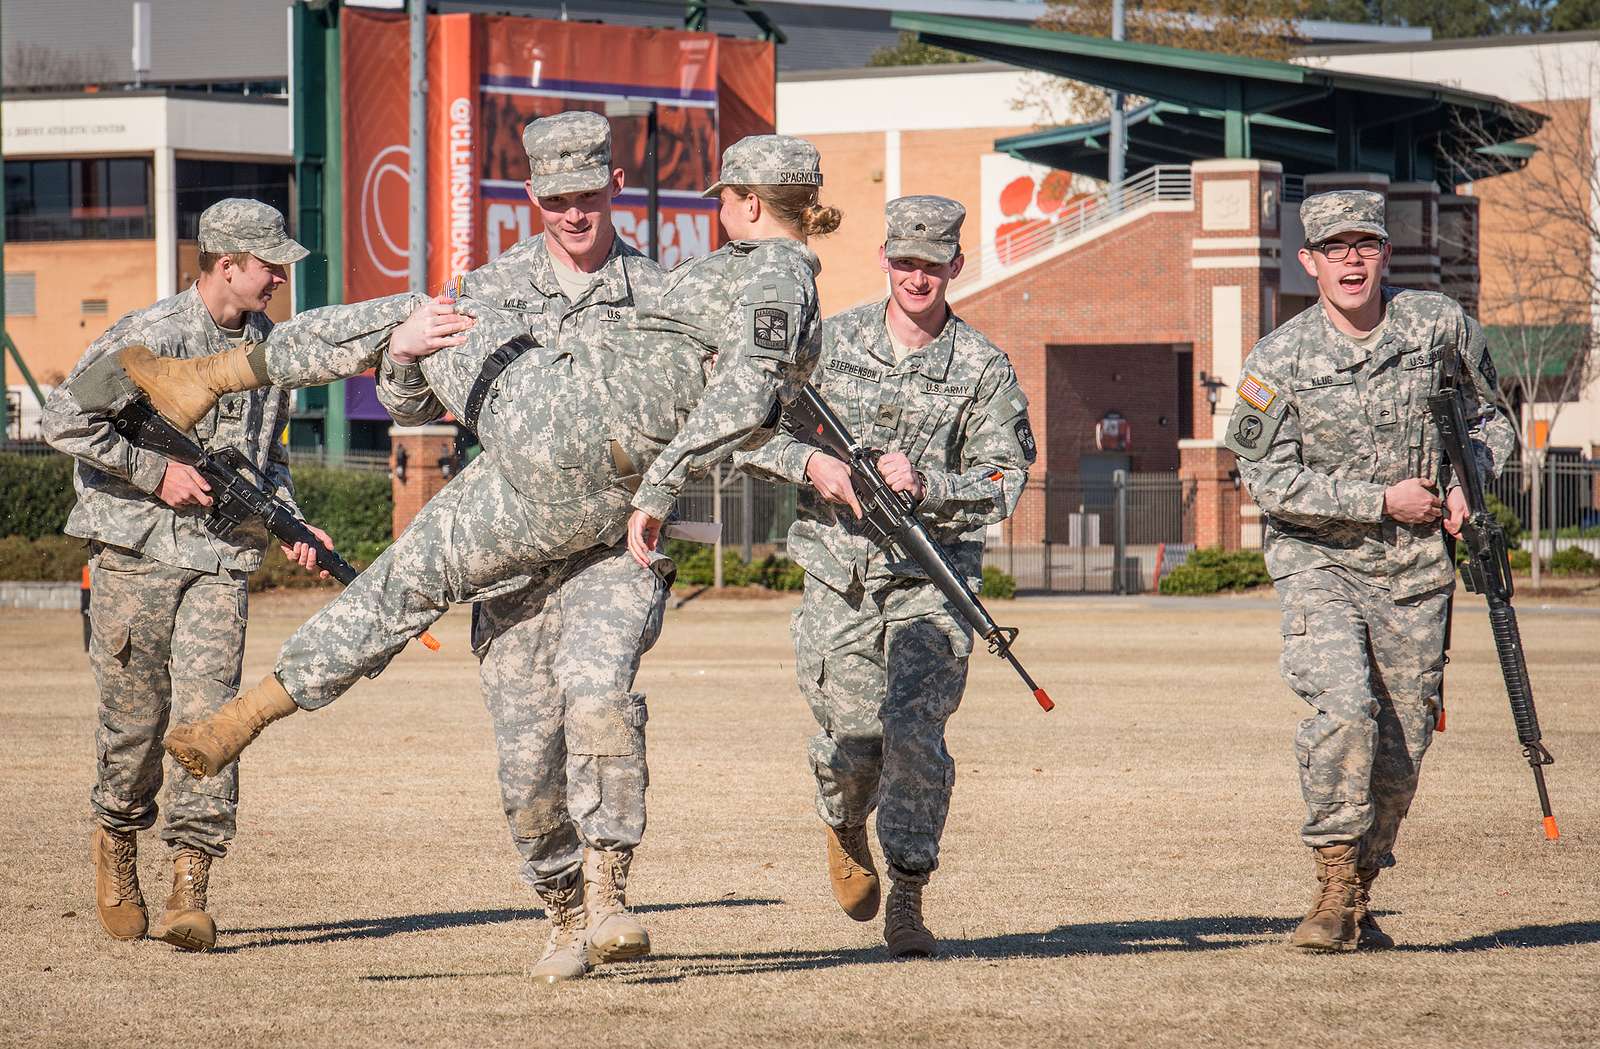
x,y
1121,872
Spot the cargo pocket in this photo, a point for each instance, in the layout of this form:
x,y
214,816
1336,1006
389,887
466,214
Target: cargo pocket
x,y
1293,628
608,725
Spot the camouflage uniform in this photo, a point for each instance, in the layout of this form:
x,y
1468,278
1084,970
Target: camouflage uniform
x,y
169,601
1323,425
558,658
880,654
564,433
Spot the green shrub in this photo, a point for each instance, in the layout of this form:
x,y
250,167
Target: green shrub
x,y
695,568
48,559
1210,571
35,494
1521,560
1509,522
998,584
352,506
1574,560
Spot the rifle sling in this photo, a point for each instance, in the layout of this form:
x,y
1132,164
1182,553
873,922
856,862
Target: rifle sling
x,y
496,363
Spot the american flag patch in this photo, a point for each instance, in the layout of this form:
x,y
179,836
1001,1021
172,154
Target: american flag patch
x,y
1256,393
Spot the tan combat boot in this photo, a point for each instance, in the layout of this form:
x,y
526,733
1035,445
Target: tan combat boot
x,y
1368,935
185,922
566,954
184,389
903,930
117,898
852,873
614,935
1331,923
207,746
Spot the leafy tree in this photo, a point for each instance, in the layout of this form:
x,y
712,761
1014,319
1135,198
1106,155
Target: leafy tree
x,y
1571,15
1255,28
909,51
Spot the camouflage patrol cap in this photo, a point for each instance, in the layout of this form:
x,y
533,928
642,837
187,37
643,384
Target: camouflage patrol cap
x,y
923,227
768,160
568,153
237,224
1327,215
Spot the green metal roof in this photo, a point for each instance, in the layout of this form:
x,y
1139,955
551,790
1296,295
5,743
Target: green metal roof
x,y
1551,346
1216,105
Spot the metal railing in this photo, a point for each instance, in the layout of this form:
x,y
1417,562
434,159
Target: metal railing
x,y
1163,182
1113,534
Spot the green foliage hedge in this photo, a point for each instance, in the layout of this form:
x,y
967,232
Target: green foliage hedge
x,y
696,567
60,559
998,584
1574,560
352,506
35,495
1210,571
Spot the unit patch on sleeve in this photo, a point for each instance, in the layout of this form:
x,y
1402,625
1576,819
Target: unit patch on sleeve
x,y
771,329
1030,447
1256,393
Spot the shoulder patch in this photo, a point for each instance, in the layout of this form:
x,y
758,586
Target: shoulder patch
x,y
1487,370
770,329
1256,393
1024,432
1251,430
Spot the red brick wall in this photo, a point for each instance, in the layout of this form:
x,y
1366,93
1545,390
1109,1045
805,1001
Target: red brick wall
x,y
1083,383
1127,287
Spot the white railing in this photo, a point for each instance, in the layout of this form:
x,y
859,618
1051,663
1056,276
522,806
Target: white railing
x,y
1164,182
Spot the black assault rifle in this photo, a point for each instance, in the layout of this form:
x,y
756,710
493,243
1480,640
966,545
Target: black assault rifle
x,y
888,515
240,493
1487,571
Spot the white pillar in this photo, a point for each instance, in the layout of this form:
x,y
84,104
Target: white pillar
x,y
166,202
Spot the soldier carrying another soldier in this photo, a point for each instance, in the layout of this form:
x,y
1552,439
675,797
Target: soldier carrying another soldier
x,y
880,654
1335,444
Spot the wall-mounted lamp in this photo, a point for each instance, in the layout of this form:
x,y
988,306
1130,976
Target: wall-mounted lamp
x,y
1212,385
400,464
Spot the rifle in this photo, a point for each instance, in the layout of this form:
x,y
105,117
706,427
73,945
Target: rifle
x,y
888,516
1487,571
240,493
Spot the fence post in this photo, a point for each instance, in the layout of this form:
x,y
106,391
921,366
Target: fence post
x,y
1119,539
716,517
747,513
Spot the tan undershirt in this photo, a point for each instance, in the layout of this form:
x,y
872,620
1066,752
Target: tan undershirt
x,y
573,282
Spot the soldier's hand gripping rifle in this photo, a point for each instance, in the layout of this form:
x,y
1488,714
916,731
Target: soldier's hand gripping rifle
x,y
240,493
888,515
1487,571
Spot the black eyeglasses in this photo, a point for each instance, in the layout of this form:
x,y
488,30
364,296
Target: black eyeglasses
x,y
1338,250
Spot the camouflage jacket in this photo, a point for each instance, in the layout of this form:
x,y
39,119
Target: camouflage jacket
x,y
116,482
754,305
522,283
953,407
1324,424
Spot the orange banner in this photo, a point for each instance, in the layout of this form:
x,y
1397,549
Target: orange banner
x,y
488,76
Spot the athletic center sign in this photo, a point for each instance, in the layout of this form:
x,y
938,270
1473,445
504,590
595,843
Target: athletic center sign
x,y
488,75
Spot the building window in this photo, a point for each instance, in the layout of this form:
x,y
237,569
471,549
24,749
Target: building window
x,y
93,307
201,183
20,292
91,198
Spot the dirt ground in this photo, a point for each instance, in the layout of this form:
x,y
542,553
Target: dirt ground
x,y
1121,872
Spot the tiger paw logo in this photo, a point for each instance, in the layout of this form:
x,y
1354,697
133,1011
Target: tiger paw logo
x,y
1031,205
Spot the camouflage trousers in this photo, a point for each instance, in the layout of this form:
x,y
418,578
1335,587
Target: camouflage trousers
x,y
883,670
1372,668
476,539
557,663
164,640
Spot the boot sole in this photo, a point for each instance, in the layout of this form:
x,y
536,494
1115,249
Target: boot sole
x,y
1324,948
192,760
180,938
621,952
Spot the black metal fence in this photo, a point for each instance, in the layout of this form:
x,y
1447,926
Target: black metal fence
x,y
1111,535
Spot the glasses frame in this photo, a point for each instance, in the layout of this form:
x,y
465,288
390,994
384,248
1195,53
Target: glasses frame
x,y
1325,246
